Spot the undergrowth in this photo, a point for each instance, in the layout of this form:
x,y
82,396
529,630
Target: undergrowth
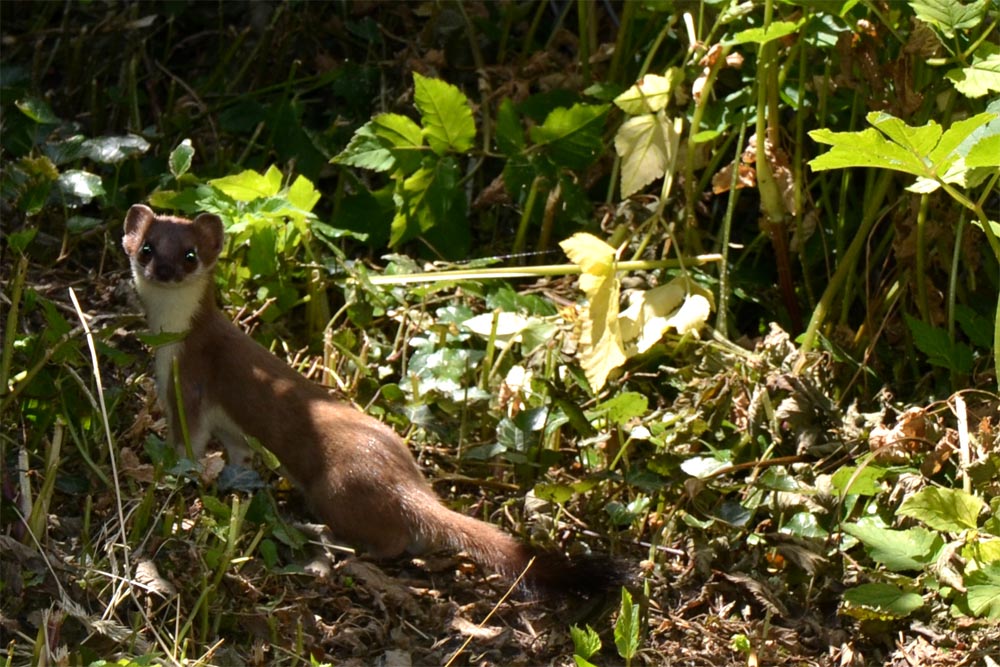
x,y
707,286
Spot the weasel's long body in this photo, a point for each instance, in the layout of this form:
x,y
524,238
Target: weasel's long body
x,y
356,473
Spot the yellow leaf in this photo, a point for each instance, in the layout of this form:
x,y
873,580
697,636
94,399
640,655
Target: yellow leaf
x,y
601,347
648,148
681,304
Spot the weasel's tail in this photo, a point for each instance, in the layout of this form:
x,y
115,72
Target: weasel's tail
x,y
550,572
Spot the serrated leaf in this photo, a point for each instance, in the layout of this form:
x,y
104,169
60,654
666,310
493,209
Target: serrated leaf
x,y
249,185
181,158
898,550
940,350
302,194
586,642
572,137
648,95
951,510
445,111
978,328
397,129
627,627
949,16
776,30
886,600
648,147
367,150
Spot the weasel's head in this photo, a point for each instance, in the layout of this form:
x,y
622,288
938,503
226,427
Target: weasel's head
x,y
168,250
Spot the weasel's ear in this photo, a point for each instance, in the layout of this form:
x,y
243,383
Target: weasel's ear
x,y
211,233
136,221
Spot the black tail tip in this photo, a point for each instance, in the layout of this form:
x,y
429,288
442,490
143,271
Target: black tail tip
x,y
578,576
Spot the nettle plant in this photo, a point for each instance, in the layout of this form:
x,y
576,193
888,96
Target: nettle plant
x,y
271,227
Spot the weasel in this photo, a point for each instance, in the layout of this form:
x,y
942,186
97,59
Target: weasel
x,y
357,475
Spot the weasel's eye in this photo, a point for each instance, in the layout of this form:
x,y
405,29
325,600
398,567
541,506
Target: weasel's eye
x,y
191,256
146,250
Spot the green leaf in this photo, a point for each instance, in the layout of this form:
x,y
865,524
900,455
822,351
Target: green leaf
x,y
776,30
982,76
430,203
79,187
949,16
445,111
864,483
249,185
898,550
302,194
572,137
586,642
951,510
627,627
648,147
180,158
650,94
367,150
398,130
510,135
112,150
867,148
983,591
38,110
624,406
885,600
940,350
979,328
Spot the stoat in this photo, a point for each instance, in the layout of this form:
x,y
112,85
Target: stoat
x,y
357,475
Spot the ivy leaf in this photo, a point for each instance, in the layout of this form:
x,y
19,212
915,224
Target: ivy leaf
x,y
181,158
951,510
445,111
648,147
38,110
898,550
572,137
940,350
79,187
949,16
601,344
112,150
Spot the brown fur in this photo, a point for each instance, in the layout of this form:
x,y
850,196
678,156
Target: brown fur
x,y
356,473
